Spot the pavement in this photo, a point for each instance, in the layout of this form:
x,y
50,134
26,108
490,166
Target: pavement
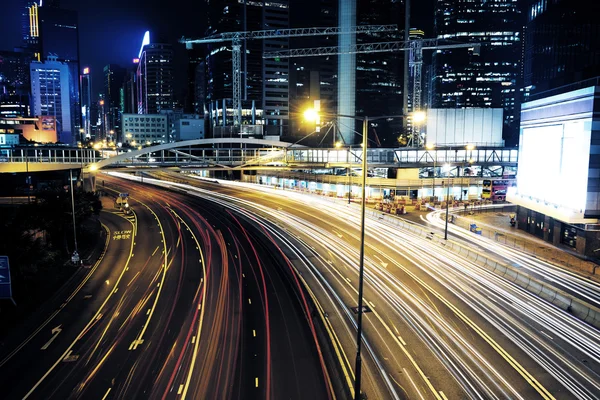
x,y
496,225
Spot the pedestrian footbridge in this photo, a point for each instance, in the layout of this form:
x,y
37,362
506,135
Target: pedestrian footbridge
x,y
248,154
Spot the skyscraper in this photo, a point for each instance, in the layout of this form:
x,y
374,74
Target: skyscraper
x,y
49,31
85,82
50,95
31,28
562,43
113,80
264,82
155,78
491,79
312,78
379,75
14,83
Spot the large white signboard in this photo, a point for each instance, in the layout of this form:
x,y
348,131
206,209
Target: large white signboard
x,y
477,126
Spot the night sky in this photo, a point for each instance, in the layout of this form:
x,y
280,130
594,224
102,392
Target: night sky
x,y
110,31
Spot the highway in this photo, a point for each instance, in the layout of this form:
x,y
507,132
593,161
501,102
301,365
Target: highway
x,y
439,326
565,280
189,301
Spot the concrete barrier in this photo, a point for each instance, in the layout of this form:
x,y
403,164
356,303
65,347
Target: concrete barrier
x,y
534,287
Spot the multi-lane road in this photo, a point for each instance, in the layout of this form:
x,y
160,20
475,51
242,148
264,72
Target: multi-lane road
x,y
440,326
189,301
226,290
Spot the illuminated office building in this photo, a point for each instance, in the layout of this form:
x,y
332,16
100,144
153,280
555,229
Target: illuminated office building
x,y
114,76
490,79
14,83
85,82
50,95
154,77
265,83
562,43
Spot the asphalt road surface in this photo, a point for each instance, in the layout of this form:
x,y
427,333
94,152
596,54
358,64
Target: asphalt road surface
x,y
189,301
439,325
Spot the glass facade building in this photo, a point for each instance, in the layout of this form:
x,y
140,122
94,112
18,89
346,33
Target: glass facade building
x,y
154,79
491,78
264,82
562,43
50,95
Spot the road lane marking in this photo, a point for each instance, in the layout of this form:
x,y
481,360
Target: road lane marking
x,y
443,395
180,389
201,320
55,332
106,394
253,332
249,301
528,377
66,356
384,264
155,250
256,382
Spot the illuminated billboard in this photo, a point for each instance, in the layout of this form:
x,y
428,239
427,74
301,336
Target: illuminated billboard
x,y
554,157
464,125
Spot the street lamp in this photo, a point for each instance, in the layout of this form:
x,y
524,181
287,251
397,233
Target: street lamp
x,y
447,168
75,257
431,146
313,115
337,146
469,147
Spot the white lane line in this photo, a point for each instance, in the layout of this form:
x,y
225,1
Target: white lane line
x,y
106,394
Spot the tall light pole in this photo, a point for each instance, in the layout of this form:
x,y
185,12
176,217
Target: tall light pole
x,y
314,115
431,146
447,202
75,257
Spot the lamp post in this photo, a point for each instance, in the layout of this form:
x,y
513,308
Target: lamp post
x,y
431,146
447,201
314,115
75,257
468,147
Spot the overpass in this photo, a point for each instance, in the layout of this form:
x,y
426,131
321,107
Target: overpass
x,y
250,154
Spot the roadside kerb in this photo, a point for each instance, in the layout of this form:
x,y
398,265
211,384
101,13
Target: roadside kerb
x,y
563,300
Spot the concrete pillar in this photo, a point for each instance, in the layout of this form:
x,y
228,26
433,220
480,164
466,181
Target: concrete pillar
x,y
89,181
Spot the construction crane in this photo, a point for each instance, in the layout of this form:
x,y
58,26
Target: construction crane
x,y
415,46
236,39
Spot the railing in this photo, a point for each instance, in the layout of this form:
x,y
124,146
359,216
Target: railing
x,y
271,156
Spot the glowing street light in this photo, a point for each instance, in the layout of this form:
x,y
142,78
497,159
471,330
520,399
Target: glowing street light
x,y
313,115
418,117
431,146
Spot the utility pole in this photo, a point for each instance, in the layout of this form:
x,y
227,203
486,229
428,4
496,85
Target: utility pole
x,y
75,257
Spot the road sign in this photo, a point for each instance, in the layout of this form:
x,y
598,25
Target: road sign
x,y
5,287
